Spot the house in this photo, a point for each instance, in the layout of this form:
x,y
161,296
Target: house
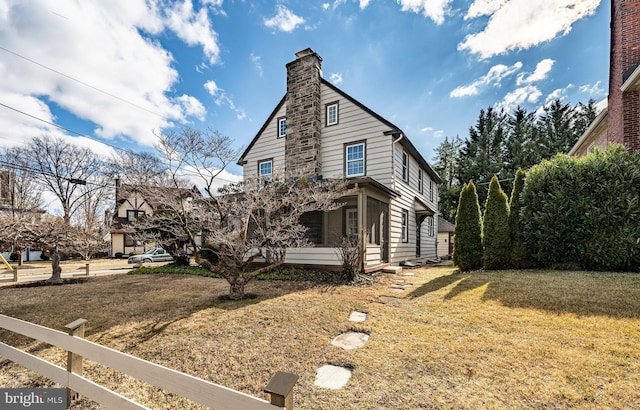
x,y
445,238
133,201
620,121
319,131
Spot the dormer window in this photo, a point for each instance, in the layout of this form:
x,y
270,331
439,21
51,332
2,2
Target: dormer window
x,y
282,127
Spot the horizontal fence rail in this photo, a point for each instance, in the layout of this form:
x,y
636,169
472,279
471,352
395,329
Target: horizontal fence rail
x,y
181,384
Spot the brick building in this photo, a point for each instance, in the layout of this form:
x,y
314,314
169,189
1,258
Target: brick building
x,y
620,121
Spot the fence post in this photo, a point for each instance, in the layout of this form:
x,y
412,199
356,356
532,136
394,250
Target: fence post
x,y
74,361
15,274
280,388
86,266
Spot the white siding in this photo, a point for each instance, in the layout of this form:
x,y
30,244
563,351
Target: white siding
x,y
354,124
267,146
402,251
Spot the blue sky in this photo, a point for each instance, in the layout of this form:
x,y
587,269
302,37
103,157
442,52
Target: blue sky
x,y
117,71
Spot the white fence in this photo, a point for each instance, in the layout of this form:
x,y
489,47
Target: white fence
x,y
200,391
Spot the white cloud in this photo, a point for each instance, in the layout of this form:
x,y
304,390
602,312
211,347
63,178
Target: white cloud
x,y
364,4
558,93
528,23
484,8
593,90
116,75
191,106
211,87
284,20
257,62
194,28
426,129
336,78
434,9
542,69
222,99
529,93
494,77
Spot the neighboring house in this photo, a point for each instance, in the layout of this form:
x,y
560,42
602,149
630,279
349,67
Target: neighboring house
x,y
620,121
319,131
445,238
132,202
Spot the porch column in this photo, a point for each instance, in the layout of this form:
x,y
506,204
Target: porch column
x,y
362,227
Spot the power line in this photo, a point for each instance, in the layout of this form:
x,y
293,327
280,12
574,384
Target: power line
x,y
60,126
83,83
83,135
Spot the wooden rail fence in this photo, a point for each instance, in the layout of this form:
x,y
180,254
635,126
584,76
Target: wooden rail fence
x,y
198,390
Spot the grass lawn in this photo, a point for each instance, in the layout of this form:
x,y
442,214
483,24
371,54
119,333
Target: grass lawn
x,y
507,339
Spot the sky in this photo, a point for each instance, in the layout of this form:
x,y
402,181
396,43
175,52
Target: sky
x,y
113,74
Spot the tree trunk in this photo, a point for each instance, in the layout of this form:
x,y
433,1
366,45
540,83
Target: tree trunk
x,y
236,289
56,276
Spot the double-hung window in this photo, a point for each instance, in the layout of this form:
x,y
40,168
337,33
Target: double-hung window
x,y
265,171
430,190
332,114
355,157
405,225
282,127
405,167
420,181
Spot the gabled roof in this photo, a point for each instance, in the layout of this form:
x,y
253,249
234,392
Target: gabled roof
x,y
394,131
155,201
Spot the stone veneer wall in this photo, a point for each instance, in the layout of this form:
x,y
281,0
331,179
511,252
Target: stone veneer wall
x,y
302,145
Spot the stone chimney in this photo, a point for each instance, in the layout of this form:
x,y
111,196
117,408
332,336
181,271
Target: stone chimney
x,y
302,144
624,107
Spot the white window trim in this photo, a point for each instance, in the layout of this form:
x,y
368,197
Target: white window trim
x,y
420,181
265,177
405,226
329,106
280,133
347,162
404,171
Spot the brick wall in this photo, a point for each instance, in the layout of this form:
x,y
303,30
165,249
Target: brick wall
x,y
302,145
624,108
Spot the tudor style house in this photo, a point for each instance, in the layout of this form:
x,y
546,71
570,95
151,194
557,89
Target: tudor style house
x,y
619,122
132,202
319,131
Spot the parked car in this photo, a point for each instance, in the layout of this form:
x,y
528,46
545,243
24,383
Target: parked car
x,y
152,255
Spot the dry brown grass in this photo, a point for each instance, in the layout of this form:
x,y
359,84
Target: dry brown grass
x,y
511,339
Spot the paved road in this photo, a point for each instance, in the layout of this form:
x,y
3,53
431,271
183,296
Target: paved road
x,y
42,271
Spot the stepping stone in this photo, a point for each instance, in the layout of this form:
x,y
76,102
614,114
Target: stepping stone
x,y
357,316
408,274
332,377
350,340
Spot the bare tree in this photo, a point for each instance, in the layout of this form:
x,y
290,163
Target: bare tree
x,y
89,218
244,223
23,208
63,168
56,236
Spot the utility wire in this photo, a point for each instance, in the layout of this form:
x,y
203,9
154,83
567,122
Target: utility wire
x,y
85,136
61,127
82,82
